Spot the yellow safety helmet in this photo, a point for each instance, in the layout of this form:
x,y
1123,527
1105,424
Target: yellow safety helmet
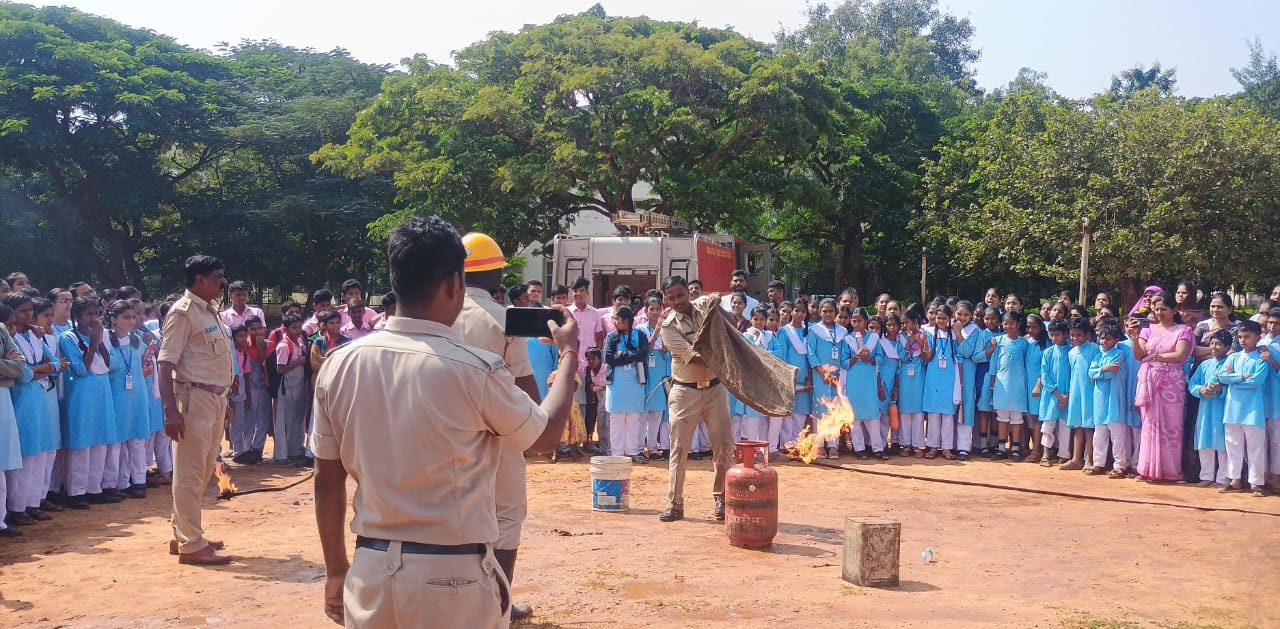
x,y
483,253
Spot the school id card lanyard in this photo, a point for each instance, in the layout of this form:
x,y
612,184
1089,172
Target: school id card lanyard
x,y
942,356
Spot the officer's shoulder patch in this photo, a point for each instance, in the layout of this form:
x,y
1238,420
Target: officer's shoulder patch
x,y
182,305
483,359
671,317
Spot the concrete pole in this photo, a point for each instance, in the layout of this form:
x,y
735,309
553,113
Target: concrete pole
x,y
924,269
1084,262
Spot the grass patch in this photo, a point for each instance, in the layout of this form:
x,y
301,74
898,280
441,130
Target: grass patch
x,y
1094,623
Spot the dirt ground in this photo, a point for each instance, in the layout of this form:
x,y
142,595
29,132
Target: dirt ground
x,y
1002,557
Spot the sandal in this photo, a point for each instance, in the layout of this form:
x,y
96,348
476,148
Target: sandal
x,y
931,454
1232,489
1259,492
1094,471
948,455
920,453
1047,462
1116,474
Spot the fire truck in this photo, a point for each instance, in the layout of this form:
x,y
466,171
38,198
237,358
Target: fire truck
x,y
644,261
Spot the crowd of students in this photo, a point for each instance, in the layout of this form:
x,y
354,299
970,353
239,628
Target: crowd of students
x,y
81,422
1152,395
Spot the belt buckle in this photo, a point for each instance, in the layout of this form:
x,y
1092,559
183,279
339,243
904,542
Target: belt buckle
x,y
705,384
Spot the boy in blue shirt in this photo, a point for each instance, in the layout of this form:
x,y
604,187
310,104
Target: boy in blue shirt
x,y
1210,438
1107,374
1245,373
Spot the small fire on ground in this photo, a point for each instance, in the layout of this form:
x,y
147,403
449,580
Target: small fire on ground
x,y
811,444
226,488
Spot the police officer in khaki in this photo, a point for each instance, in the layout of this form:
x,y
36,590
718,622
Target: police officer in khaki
x,y
482,324
196,369
420,419
696,394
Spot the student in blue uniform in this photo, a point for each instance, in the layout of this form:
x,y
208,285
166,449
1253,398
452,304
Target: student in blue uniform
x,y
972,351
942,386
130,397
824,342
892,345
1008,385
31,415
626,351
1244,373
793,348
1210,439
1055,379
657,426
1079,395
989,444
90,431
1110,403
859,354
915,356
1037,341
1133,417
1271,343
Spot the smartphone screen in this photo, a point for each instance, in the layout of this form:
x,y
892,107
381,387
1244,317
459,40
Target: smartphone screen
x,y
531,322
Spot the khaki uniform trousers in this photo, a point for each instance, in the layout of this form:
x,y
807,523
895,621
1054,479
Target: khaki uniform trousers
x,y
394,590
510,496
193,460
687,406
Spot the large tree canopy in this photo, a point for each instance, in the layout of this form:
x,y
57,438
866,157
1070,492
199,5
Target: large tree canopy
x,y
533,126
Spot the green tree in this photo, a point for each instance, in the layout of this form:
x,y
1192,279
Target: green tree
x,y
1260,80
1136,79
534,126
99,124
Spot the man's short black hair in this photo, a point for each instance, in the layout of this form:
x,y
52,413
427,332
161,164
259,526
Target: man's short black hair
x,y
694,281
739,273
537,283
321,296
327,316
238,285
778,285
559,289
674,280
128,292
422,253
1251,326
581,282
352,283
200,265
389,300
515,293
622,291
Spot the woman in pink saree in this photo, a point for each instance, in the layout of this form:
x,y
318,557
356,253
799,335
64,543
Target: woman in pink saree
x,y
1163,349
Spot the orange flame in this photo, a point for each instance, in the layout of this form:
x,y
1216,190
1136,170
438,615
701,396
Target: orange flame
x,y
830,425
226,488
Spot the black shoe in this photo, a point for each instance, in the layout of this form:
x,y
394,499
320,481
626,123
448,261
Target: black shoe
x,y
243,458
136,491
999,454
695,456
307,462
38,515
985,453
655,456
1016,454
77,502
639,460
878,455
19,518
257,457
521,611
671,514
102,498
152,483
10,533
718,514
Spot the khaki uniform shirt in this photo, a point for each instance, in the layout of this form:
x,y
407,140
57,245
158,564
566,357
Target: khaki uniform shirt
x,y
677,334
194,342
418,418
483,322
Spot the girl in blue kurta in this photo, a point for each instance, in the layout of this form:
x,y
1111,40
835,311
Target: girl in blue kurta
x,y
972,352
1107,373
1244,418
1007,383
1079,395
1133,418
759,426
859,355
90,431
911,381
37,429
892,344
1210,439
990,319
656,426
131,398
1037,341
626,351
824,341
1055,380
793,348
943,390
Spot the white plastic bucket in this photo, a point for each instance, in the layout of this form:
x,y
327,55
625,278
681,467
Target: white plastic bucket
x,y
610,483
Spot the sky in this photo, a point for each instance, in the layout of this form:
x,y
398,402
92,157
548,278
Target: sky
x,y
1079,44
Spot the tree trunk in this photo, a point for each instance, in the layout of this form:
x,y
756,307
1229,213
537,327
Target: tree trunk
x,y
842,266
1130,293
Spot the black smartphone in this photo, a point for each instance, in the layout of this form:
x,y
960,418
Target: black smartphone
x,y
531,322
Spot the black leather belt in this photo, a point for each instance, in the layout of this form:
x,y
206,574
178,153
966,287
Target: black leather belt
x,y
414,548
696,385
